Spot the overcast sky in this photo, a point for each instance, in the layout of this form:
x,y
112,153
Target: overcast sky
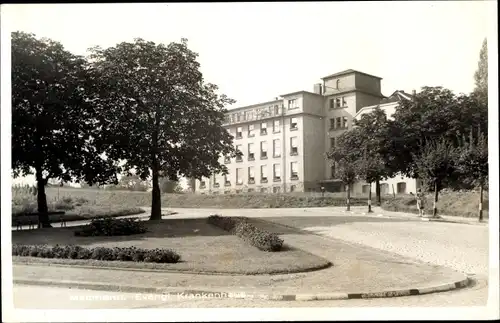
x,y
257,51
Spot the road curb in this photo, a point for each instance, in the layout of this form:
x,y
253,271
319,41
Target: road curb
x,y
194,293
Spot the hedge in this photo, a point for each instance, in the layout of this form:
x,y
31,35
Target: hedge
x,y
98,253
257,237
108,226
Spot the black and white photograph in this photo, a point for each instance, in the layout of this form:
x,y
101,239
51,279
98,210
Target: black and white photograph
x,y
228,161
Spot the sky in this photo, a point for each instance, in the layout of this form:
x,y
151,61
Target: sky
x,y
256,51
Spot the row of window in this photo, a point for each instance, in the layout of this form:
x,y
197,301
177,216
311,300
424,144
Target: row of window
x,y
275,189
294,175
263,128
338,103
262,112
294,150
338,123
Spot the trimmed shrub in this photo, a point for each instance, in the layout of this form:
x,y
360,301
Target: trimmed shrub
x,y
108,226
98,253
239,226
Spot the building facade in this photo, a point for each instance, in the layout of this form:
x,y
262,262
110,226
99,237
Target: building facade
x,y
284,141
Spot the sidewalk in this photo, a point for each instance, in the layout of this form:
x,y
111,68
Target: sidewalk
x,y
357,272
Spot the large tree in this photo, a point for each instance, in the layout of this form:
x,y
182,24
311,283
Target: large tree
x,y
481,75
376,157
54,123
472,164
433,113
161,117
435,162
344,155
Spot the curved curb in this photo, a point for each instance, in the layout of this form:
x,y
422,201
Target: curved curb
x,y
193,293
173,271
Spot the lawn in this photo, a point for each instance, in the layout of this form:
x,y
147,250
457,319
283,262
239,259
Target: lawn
x,y
189,200
75,207
453,203
203,248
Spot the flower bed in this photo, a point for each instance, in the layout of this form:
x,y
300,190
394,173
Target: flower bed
x,y
98,253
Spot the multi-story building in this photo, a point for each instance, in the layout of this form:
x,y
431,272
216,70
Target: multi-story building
x,y
284,141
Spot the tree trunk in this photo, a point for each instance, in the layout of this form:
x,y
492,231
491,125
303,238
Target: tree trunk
x,y
377,192
348,197
43,209
156,201
370,199
434,208
481,202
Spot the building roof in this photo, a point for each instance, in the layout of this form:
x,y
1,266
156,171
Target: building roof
x,y
299,92
349,71
397,96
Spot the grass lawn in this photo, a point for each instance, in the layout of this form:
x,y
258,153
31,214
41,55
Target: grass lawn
x,y
464,203
75,207
203,248
189,200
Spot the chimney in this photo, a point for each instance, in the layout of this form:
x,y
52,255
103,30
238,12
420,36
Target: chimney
x,y
318,89
413,92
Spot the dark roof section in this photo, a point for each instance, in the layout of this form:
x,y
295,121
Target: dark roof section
x,y
397,96
349,71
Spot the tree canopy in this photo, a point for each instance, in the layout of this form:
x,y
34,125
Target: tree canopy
x,y
160,115
54,118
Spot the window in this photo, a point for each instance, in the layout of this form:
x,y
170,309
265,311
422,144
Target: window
x,y
239,132
337,103
227,192
202,184
276,172
251,190
401,187
215,193
238,117
227,182
344,122
239,176
293,124
216,183
332,142
240,157
276,110
276,126
276,148
292,188
263,190
263,150
227,160
344,103
294,149
263,174
332,171
384,188
238,191
337,83
251,152
292,104
338,124
251,129
366,189
332,123
332,104
251,175
263,128
276,189
294,170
